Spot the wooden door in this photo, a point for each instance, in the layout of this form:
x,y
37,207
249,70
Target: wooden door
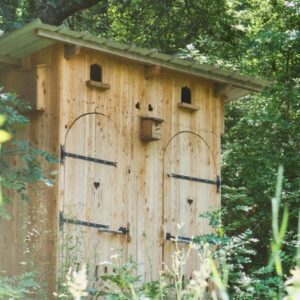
x,y
190,188
94,214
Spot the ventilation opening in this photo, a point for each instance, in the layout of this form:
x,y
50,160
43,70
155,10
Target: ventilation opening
x,y
96,73
186,95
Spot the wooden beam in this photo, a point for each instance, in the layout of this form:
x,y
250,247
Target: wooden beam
x,y
222,90
71,50
151,71
10,61
26,63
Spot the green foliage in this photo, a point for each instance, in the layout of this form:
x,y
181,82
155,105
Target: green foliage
x,y
24,286
20,162
237,253
263,130
124,284
257,37
4,135
11,15
162,25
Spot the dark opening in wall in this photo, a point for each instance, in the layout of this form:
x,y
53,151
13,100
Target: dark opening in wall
x,y
96,73
186,95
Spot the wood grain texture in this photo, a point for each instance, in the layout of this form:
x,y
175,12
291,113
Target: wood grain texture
x,y
138,193
32,228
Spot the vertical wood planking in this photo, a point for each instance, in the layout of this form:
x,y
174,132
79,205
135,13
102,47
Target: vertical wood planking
x,y
13,230
38,217
139,187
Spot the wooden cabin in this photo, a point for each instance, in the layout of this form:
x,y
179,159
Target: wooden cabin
x,y
138,134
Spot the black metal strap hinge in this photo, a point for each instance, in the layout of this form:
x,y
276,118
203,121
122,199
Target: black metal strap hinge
x,y
63,220
64,153
178,239
217,182
100,227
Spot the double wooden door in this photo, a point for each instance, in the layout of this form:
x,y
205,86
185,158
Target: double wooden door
x,y
94,211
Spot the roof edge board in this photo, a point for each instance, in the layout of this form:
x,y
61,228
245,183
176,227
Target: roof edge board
x,y
145,59
32,48
20,31
10,61
236,94
61,27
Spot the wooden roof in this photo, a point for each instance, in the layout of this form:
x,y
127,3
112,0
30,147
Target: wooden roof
x,y
36,36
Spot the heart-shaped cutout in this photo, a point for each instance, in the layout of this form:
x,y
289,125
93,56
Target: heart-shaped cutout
x,y
190,201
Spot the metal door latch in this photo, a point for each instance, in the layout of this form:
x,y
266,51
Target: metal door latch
x,y
121,230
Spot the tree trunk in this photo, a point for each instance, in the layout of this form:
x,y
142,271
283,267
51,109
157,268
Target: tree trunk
x,y
55,14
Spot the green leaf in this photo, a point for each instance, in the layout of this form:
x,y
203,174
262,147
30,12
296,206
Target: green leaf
x,y
2,120
4,136
284,224
298,243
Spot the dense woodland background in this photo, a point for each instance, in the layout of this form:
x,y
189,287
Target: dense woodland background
x,y
255,37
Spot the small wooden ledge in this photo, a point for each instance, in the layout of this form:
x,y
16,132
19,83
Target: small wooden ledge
x,y
98,85
187,106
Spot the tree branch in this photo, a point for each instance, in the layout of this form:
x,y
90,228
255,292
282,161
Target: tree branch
x,y
56,14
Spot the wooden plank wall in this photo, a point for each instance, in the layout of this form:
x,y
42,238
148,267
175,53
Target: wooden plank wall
x,y
35,221
137,192
141,181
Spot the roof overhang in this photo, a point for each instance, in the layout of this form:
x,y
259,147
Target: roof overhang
x,y
36,36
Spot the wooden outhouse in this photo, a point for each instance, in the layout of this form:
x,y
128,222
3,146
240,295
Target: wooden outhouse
x,y
138,134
